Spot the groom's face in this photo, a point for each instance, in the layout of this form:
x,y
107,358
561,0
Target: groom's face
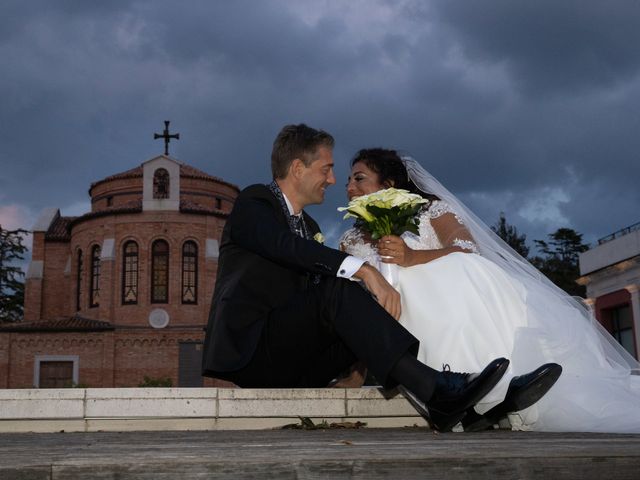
x,y
317,177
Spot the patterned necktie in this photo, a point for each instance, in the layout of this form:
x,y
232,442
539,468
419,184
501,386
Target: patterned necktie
x,y
298,225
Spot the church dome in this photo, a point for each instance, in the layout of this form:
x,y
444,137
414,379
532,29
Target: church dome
x,y
198,191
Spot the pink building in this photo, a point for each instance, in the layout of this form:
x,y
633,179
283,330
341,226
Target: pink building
x,y
611,273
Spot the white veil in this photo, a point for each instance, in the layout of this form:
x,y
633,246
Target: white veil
x,y
540,289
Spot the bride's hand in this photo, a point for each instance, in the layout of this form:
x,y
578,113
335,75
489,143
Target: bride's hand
x,y
392,249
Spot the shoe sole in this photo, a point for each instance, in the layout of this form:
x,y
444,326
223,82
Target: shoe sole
x,y
445,423
515,402
437,421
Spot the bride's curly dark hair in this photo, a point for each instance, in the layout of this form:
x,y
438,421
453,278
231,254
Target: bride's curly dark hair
x,y
390,169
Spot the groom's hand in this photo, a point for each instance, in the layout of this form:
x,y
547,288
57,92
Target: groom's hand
x,y
385,294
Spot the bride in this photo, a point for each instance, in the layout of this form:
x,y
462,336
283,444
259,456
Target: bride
x,y
468,297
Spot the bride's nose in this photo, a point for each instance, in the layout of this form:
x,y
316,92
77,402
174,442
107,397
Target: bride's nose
x,y
351,188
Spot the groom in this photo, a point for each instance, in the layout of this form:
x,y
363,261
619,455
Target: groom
x,y
284,311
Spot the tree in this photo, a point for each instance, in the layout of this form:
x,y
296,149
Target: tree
x,y
509,234
559,260
11,285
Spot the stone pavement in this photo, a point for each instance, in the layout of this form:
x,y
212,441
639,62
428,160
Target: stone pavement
x,y
365,453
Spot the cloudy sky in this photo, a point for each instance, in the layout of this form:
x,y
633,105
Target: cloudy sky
x,y
527,107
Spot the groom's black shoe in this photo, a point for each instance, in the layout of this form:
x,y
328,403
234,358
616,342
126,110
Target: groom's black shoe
x,y
456,392
523,391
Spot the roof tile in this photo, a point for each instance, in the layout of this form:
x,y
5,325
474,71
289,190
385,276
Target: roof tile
x,y
66,324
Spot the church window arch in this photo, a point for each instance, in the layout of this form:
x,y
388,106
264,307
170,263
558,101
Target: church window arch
x,y
130,273
160,272
79,280
189,272
161,183
94,285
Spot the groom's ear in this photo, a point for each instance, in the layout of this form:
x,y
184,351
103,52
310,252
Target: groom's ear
x,y
388,183
297,167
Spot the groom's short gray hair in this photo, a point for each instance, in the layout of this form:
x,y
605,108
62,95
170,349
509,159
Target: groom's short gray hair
x,y
296,141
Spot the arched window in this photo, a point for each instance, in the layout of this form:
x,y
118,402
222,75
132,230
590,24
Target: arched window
x,y
189,272
79,281
94,290
160,272
130,273
161,183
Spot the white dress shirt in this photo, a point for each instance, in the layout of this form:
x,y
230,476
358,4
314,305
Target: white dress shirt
x,y
349,266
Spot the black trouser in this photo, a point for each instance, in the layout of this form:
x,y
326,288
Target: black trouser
x,y
320,333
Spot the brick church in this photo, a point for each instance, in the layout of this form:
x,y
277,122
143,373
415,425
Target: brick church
x,y
123,291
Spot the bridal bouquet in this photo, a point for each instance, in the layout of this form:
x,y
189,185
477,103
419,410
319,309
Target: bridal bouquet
x,y
386,212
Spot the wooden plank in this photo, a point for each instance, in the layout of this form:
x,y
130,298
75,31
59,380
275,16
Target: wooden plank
x,y
358,454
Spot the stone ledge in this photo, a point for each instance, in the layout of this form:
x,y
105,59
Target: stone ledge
x,y
132,409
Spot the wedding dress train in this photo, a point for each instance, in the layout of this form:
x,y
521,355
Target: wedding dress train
x,y
466,310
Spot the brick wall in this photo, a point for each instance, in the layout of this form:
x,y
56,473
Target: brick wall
x,y
24,347
144,228
121,191
119,358
4,361
55,283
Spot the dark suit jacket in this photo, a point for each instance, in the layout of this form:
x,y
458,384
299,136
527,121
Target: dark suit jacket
x,y
262,265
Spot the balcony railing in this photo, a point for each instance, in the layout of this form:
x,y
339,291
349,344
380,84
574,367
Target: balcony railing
x,y
619,233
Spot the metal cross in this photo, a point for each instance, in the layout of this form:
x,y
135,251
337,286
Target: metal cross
x,y
166,136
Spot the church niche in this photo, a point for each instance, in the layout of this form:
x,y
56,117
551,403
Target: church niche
x,y
161,183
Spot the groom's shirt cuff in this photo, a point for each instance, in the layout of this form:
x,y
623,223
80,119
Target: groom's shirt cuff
x,y
349,267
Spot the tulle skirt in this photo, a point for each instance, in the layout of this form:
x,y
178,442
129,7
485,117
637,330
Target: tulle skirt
x,y
466,311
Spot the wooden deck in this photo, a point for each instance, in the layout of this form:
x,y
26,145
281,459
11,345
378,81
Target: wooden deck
x,y
364,453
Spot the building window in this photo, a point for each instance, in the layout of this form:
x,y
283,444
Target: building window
x,y
161,183
189,272
622,327
79,282
130,273
160,272
55,371
218,203
110,201
94,287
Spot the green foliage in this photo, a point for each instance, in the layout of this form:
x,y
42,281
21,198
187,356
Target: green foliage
x,y
510,235
11,283
559,259
76,385
389,211
155,382
392,221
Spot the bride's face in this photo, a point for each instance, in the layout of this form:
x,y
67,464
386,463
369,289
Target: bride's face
x,y
362,181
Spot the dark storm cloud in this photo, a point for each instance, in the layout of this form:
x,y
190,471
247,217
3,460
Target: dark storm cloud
x,y
523,107
551,46
561,117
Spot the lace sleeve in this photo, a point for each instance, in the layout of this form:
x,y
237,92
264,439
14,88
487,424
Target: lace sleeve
x,y
355,243
449,228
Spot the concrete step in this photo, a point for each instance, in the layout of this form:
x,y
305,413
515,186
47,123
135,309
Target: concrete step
x,y
366,453
131,409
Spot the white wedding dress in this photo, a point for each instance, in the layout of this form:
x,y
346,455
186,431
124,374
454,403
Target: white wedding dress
x,y
465,310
